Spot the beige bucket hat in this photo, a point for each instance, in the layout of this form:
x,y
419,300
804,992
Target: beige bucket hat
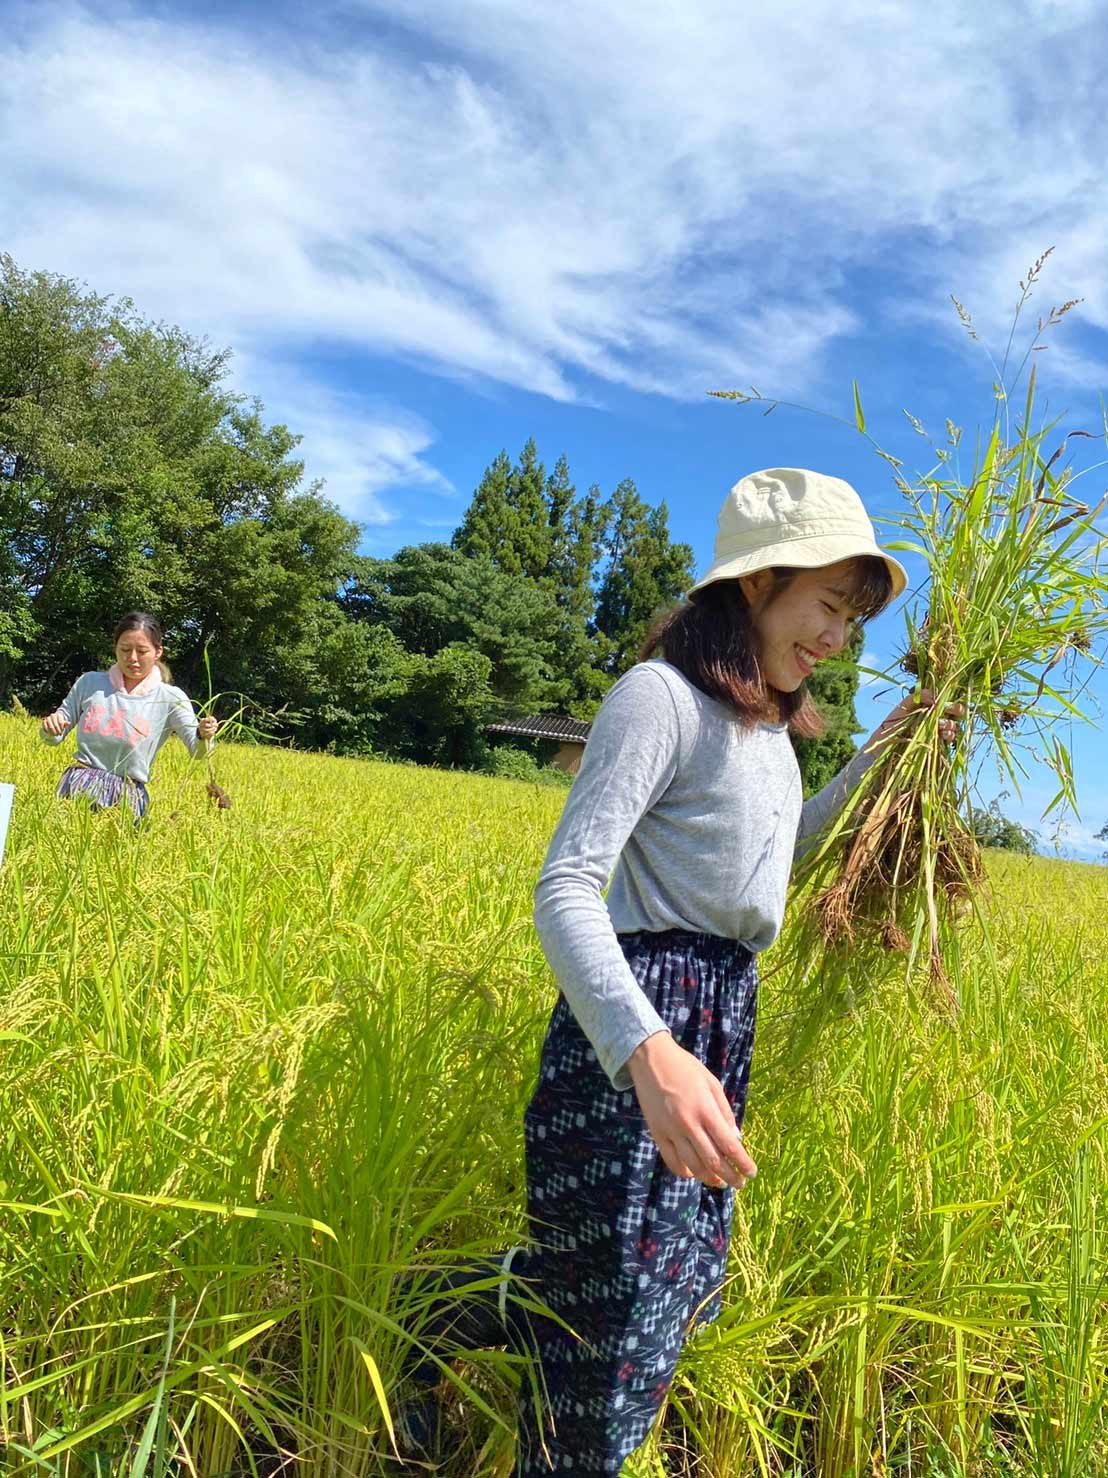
x,y
789,516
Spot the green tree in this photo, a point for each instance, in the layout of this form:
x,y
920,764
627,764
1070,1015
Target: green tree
x,y
275,574
130,476
534,525
560,497
992,829
509,519
577,527
488,528
533,517
338,695
645,572
438,717
431,596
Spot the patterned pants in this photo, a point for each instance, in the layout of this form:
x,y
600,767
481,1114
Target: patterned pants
x,y
104,789
631,1257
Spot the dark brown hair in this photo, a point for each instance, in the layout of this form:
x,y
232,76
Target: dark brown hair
x,y
710,637
140,621
149,626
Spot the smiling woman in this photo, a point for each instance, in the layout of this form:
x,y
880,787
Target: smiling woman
x,y
751,641
690,790
805,616
796,564
689,802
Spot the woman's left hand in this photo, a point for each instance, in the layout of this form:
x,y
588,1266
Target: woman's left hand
x,y
908,712
207,728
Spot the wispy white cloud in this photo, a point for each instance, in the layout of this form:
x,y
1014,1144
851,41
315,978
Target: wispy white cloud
x,y
359,458
361,447
550,196
1059,833
666,200
1070,839
792,156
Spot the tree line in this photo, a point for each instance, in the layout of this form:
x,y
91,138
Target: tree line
x,y
132,476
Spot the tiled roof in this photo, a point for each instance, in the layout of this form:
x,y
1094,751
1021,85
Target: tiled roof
x,y
545,726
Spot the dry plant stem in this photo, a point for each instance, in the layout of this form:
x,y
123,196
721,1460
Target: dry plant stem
x,y
214,789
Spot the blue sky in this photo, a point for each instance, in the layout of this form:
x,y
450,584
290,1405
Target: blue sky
x,y
430,231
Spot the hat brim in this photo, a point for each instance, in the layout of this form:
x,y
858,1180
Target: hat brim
x,y
803,554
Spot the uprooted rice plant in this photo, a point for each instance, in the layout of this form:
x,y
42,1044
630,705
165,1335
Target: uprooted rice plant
x,y
254,1062
1008,622
1014,588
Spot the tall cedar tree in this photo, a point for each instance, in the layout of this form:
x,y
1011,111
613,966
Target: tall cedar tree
x,y
508,519
576,527
532,525
527,499
645,573
489,525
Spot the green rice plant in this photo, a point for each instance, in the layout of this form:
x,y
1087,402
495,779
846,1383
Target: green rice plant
x,y
262,1071
228,1039
1061,1394
1014,589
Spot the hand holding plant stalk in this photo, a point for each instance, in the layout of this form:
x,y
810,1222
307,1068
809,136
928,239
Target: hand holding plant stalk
x,y
257,730
909,711
207,728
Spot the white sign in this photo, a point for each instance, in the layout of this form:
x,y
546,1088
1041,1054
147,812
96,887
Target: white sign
x,y
7,792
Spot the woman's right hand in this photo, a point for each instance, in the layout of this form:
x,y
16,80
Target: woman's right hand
x,y
54,724
687,1113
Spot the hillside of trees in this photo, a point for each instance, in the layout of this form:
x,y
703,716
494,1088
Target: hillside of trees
x,y
131,476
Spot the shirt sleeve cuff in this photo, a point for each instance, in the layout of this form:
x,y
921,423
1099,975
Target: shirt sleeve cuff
x,y
614,1054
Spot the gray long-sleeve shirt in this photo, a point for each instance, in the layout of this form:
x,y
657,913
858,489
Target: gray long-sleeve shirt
x,y
120,731
699,816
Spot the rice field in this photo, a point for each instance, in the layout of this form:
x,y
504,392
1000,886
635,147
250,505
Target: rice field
x,y
255,1063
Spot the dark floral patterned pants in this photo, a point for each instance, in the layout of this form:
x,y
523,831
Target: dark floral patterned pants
x,y
628,1255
